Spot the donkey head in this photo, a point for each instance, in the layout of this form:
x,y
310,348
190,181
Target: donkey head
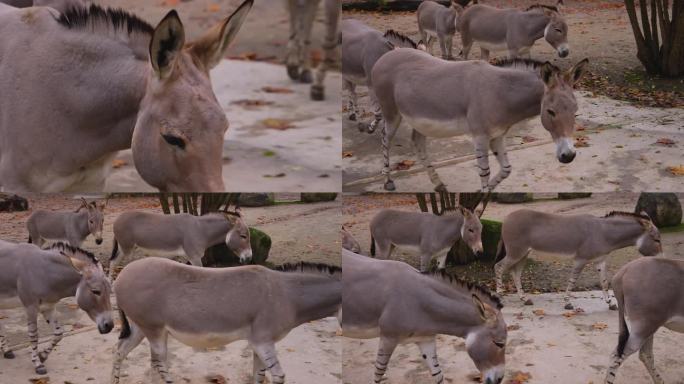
x,y
486,343
648,244
556,32
471,231
93,293
237,238
178,137
559,106
95,218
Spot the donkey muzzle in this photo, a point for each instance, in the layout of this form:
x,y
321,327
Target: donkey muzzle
x,y
246,257
563,50
105,326
98,241
565,150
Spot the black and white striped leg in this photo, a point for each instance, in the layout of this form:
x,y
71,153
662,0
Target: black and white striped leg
x,y
350,89
258,369
482,157
32,315
123,348
308,14
576,270
498,146
389,130
385,350
158,352
605,284
48,313
615,363
377,112
429,350
293,48
420,146
6,353
646,357
330,51
269,357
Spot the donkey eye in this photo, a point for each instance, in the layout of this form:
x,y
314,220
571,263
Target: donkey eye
x,y
499,344
243,236
174,140
559,30
471,230
96,292
551,112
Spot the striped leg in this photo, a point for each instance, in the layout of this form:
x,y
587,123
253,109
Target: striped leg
x,y
377,112
419,142
306,19
646,357
158,349
32,315
6,353
388,132
258,369
49,314
269,357
576,270
352,110
498,146
482,156
123,348
605,284
293,48
429,350
330,51
385,350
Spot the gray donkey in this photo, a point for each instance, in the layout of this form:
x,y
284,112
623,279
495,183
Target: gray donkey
x,y
333,38
37,279
513,30
106,81
650,295
74,227
362,46
585,238
212,307
429,234
349,242
491,99
438,22
391,300
181,234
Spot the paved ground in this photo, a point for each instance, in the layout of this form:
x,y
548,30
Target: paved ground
x,y
555,347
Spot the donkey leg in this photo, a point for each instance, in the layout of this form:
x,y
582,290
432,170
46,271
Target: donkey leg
x,y
429,350
307,20
605,284
517,271
258,369
576,270
269,357
32,315
388,132
482,154
123,348
498,146
377,111
158,351
420,145
385,350
293,48
350,89
425,259
443,47
450,47
633,344
330,52
646,357
484,54
48,313
441,257
6,353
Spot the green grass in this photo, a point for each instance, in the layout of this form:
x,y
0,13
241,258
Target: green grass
x,y
673,229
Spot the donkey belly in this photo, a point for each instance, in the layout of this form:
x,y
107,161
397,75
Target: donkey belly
x,y
210,340
676,324
90,177
360,332
167,253
493,46
438,128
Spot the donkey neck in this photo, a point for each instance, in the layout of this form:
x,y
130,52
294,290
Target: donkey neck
x,y
535,23
79,221
214,227
452,223
314,296
621,231
450,309
55,277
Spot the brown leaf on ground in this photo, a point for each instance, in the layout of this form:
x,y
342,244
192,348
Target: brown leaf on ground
x,y
665,141
475,377
677,170
513,327
118,163
77,326
581,141
170,3
529,139
217,379
520,377
269,89
40,380
346,154
276,175
599,326
251,103
278,124
404,165
539,312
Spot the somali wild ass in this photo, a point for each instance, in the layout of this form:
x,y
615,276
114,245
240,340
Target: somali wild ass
x,y
349,242
393,301
73,227
513,30
650,295
586,238
212,307
429,234
37,279
419,88
106,81
362,46
436,21
179,235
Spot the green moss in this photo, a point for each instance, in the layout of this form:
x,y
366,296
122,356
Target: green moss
x,y
261,245
491,234
672,229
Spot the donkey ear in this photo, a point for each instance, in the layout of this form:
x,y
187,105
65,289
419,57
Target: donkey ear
x,y
575,73
548,73
211,47
79,265
480,307
167,41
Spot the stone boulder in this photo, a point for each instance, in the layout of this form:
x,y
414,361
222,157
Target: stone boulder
x,y
12,203
664,208
514,198
576,195
317,197
256,199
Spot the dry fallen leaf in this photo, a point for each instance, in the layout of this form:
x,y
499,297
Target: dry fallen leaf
x,y
581,141
40,380
539,312
529,139
214,8
404,165
252,103
599,326
217,379
513,327
520,378
278,124
346,154
269,89
676,170
665,141
118,163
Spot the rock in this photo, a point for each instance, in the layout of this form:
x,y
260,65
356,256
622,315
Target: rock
x,y
256,199
491,234
261,245
664,208
220,256
12,203
317,197
514,198
570,196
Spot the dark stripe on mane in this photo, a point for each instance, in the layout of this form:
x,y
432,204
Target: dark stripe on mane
x,y
399,40
457,282
309,267
64,247
542,6
629,214
82,17
518,63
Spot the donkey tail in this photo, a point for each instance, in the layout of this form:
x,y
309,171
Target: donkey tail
x,y
125,326
115,251
624,331
372,245
500,250
30,240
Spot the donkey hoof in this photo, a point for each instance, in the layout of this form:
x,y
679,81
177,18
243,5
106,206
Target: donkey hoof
x,y
306,77
352,116
612,307
569,306
389,186
441,188
293,72
41,370
8,355
528,302
318,94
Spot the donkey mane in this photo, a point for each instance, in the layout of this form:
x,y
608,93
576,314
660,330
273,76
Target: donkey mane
x,y
458,283
542,7
628,214
524,64
64,247
399,40
96,16
309,267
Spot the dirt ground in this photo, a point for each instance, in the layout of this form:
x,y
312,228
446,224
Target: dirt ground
x,y
299,232
543,272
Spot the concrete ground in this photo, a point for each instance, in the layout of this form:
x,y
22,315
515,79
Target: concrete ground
x,y
622,154
546,342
